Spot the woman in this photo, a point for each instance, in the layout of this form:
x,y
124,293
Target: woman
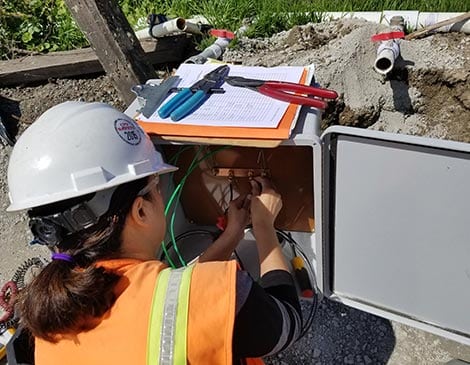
x,y
89,178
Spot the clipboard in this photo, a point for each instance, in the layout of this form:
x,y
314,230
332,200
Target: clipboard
x,y
244,135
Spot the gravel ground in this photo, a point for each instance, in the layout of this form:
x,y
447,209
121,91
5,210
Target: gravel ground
x,y
427,95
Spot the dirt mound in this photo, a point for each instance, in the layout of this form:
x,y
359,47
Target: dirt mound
x,y
426,94
32,101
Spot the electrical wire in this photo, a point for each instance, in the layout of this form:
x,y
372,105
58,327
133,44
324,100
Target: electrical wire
x,y
175,157
173,160
176,197
194,232
313,309
239,260
192,166
290,240
235,250
187,234
231,195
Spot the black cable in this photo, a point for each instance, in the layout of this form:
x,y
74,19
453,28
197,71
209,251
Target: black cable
x,y
239,261
231,191
186,235
194,232
19,277
313,309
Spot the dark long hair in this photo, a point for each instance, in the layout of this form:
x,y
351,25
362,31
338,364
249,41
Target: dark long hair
x,y
65,297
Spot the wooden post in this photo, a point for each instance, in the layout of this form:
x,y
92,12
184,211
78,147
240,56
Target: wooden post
x,y
114,42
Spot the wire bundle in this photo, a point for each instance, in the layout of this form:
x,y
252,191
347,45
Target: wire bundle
x,y
311,272
176,195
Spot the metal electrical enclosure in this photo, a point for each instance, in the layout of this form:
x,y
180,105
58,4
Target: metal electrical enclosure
x,y
396,226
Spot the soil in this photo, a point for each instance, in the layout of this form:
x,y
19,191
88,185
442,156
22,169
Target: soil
x,y
427,94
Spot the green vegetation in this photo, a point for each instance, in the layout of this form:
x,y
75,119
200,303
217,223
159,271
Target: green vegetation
x,y
46,25
36,26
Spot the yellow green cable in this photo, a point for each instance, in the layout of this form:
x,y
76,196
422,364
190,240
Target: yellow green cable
x,y
173,160
177,194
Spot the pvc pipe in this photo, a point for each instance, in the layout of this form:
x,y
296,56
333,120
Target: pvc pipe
x,y
192,28
387,53
142,33
389,50
176,25
413,19
213,51
171,26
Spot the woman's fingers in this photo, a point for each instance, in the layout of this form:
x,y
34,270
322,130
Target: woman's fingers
x,y
265,183
255,187
247,202
239,202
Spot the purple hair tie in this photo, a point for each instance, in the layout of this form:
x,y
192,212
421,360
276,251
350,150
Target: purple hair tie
x,y
63,257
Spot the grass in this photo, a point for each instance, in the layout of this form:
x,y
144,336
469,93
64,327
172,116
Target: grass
x,y
36,26
46,25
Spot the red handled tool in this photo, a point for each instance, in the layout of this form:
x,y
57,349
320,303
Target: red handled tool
x,y
286,91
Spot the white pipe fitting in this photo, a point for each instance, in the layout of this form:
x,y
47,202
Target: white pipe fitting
x,y
389,50
192,28
214,51
176,25
171,26
387,53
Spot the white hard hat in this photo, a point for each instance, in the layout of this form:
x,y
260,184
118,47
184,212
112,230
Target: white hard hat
x,y
77,148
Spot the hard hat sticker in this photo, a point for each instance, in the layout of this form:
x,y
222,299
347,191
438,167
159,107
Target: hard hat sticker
x,y
128,130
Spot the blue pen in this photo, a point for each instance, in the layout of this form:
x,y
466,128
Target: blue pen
x,y
189,99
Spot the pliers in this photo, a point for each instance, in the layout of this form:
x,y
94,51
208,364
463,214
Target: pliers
x,y
285,91
190,98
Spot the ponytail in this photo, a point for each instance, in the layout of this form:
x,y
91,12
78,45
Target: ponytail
x,y
69,296
61,300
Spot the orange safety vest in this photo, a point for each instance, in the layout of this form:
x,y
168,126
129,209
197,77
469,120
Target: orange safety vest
x,y
151,303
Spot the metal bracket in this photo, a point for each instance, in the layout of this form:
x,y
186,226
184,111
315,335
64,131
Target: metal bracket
x,y
232,173
152,94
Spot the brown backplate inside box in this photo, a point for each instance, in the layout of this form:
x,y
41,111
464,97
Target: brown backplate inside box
x,y
207,191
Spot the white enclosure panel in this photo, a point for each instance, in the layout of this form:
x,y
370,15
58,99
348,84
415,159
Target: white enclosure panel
x,y
401,237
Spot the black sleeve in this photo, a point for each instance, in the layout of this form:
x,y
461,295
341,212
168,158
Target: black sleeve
x,y
269,320
20,348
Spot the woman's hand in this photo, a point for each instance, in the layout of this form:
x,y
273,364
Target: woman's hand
x,y
266,202
237,219
238,216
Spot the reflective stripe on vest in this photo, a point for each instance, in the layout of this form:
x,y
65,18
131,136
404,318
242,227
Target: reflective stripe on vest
x,y
168,326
